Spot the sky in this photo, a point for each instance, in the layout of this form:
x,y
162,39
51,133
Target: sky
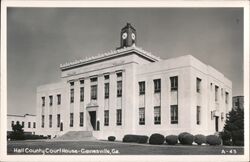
x,y
40,39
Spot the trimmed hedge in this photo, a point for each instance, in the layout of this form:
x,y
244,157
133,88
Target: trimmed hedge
x,y
135,138
181,135
199,139
111,138
213,140
186,138
156,139
172,139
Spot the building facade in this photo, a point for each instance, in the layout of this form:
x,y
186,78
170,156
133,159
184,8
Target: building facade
x,y
28,122
130,91
238,102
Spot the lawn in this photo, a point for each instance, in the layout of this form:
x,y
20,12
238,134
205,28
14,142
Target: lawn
x,y
114,148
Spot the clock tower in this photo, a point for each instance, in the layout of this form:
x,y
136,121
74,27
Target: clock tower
x,y
128,36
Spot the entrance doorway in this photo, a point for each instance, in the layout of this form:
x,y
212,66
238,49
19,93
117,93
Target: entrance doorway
x,y
216,123
92,115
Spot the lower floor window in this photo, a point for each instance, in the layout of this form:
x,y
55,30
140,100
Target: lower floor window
x,y
198,115
142,116
106,117
58,120
50,121
174,114
42,121
71,122
119,117
81,119
157,115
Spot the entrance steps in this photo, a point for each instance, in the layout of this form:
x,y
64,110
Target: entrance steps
x,y
76,136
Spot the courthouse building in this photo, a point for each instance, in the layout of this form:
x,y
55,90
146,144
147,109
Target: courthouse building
x,y
130,91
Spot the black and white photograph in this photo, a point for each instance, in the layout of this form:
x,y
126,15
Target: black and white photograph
x,y
105,80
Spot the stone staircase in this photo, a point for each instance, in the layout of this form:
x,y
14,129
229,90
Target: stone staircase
x,y
76,136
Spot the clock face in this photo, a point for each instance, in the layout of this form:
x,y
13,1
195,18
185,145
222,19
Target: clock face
x,y
124,35
133,36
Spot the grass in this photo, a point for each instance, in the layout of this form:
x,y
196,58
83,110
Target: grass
x,y
119,148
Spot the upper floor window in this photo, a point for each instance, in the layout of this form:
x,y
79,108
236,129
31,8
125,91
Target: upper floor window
x,y
93,79
81,81
71,95
106,87
157,115
226,97
93,92
157,85
81,94
50,100
174,83
43,101
106,77
119,74
174,114
71,83
141,88
198,85
119,88
58,99
216,93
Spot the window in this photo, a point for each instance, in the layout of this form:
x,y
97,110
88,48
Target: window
x,y
81,119
58,120
43,101
58,99
82,94
50,121
106,87
119,74
71,122
42,121
222,92
71,83
93,79
198,115
12,123
119,117
28,124
81,81
198,85
141,88
174,83
50,100
157,85
157,115
119,88
227,97
106,77
71,95
93,92
34,124
23,124
174,114
106,117
142,116
216,93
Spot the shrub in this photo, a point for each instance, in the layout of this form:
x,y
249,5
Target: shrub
x,y
188,139
227,143
181,135
239,143
111,138
135,138
156,139
142,139
225,135
213,140
199,139
172,139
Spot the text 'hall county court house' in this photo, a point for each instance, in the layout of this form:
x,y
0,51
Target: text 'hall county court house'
x,y
130,91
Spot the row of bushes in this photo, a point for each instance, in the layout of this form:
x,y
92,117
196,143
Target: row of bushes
x,y
183,138
13,136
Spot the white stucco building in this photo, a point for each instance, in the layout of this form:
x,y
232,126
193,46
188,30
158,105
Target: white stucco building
x,y
28,122
130,91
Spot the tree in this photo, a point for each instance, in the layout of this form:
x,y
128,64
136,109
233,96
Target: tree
x,y
234,127
17,132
